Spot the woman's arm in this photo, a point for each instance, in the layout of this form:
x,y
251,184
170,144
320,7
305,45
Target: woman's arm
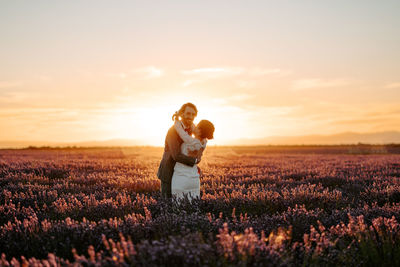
x,y
182,133
193,143
174,147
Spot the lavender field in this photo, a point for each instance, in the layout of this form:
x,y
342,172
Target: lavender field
x,y
260,206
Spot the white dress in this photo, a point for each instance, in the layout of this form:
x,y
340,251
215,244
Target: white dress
x,y
186,179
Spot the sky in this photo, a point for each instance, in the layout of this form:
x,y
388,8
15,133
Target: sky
x,y
75,71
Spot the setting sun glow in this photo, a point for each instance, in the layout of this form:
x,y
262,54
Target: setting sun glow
x,y
75,72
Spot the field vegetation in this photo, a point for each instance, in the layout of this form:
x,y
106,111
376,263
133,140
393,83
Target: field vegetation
x,y
259,206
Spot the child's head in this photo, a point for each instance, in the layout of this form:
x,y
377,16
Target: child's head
x,y
205,129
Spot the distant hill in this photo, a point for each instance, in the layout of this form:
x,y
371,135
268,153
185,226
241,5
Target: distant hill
x,y
335,139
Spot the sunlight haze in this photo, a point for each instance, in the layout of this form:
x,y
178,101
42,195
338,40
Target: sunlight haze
x,y
73,71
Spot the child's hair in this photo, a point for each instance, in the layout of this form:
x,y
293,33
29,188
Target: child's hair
x,y
179,113
207,129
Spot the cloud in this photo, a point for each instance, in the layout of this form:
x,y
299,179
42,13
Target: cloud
x,y
392,85
204,74
361,117
366,121
149,72
275,110
306,84
232,98
266,71
246,84
16,97
145,73
10,84
121,75
189,82
214,72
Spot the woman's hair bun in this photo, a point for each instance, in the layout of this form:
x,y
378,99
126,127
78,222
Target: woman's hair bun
x,y
175,116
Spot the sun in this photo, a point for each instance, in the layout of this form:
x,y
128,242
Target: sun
x,y
148,125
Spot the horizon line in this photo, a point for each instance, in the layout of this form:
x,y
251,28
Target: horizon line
x,y
248,145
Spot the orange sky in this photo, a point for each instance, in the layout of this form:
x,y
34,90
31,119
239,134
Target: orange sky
x,y
99,70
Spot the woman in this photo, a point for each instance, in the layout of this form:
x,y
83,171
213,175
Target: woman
x,y
186,179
